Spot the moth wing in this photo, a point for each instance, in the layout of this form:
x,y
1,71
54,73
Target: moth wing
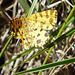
x,y
45,20
15,27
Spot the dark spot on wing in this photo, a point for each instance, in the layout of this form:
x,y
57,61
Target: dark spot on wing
x,y
12,29
20,41
51,20
19,26
41,29
35,29
51,12
17,30
22,32
47,14
40,14
26,44
23,38
38,41
46,34
38,35
35,16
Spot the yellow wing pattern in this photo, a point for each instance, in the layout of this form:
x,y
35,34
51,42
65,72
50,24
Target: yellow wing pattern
x,y
32,30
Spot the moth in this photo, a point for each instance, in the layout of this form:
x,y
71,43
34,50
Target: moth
x,y
32,31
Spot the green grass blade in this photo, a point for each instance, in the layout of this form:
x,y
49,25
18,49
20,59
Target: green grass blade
x,y
26,7
20,55
56,31
29,13
47,66
68,33
69,16
32,7
59,33
24,4
6,46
